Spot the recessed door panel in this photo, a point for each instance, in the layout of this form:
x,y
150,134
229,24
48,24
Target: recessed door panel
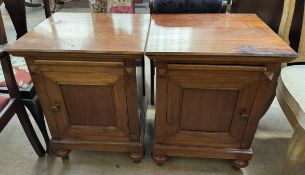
x,y
209,107
85,103
207,110
88,104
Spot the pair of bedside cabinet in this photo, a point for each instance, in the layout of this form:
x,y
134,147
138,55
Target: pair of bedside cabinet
x,y
216,76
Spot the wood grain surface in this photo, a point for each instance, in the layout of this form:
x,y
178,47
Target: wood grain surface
x,y
214,34
86,33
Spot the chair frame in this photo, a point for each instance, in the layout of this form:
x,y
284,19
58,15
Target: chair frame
x,y
293,112
15,106
295,157
28,95
30,100
46,6
3,39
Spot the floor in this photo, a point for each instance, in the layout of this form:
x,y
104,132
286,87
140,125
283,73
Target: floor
x,y
17,156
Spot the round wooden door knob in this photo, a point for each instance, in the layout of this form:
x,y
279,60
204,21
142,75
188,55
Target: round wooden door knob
x,y
56,108
244,117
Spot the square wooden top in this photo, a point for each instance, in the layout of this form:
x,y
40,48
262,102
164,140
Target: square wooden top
x,y
98,33
214,34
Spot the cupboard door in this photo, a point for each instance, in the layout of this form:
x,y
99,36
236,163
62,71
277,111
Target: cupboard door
x,y
209,105
88,99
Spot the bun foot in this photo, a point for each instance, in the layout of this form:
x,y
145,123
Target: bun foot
x,y
160,160
238,164
136,157
63,154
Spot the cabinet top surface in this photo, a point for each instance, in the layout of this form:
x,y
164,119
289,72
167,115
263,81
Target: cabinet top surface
x,y
86,33
214,34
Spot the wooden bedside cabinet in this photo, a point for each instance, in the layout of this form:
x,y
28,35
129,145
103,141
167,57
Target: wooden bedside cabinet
x,y
88,76
216,76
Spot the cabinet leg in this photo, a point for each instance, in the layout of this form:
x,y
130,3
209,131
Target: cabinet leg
x,y
238,164
64,154
159,159
136,157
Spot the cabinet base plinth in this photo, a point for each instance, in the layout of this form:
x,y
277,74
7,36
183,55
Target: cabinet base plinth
x,y
240,157
62,148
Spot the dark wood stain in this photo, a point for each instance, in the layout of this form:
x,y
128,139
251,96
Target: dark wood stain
x,y
214,83
207,110
84,72
89,105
